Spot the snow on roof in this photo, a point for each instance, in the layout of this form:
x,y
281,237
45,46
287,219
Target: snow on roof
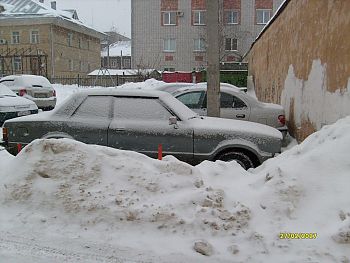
x,y
118,48
34,9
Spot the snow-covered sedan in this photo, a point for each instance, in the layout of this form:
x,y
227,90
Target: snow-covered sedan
x,y
33,87
140,120
234,104
12,106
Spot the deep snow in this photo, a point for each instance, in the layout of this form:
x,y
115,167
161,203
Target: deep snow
x,y
65,201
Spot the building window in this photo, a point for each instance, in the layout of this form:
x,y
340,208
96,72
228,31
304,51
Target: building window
x,y
231,44
127,63
34,37
17,63
79,43
169,45
169,18
71,64
199,18
88,44
169,69
199,44
15,37
263,16
232,17
70,39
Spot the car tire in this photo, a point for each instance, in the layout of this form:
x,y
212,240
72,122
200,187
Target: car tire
x,y
240,157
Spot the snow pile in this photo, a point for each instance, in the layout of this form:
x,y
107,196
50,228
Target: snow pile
x,y
215,209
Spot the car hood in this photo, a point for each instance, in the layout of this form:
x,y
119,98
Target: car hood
x,y
219,125
6,101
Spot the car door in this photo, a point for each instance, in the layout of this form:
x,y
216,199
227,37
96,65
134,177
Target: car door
x,y
233,107
89,122
142,123
194,100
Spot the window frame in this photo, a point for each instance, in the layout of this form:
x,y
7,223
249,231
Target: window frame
x,y
15,39
200,99
228,15
165,47
231,44
264,11
168,19
36,39
200,13
201,47
70,39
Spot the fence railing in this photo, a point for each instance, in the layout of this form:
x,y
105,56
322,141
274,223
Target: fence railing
x,y
102,81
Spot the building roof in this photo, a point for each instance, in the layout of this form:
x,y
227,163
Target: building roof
x,y
118,48
29,9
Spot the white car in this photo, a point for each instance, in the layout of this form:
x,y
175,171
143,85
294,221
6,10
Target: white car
x,y
234,104
35,88
172,87
12,106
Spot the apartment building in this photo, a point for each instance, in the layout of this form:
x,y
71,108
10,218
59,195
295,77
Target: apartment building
x,y
171,34
37,38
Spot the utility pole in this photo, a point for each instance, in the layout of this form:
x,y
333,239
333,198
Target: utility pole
x,y
213,56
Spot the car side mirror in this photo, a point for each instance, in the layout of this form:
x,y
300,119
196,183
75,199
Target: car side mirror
x,y
172,120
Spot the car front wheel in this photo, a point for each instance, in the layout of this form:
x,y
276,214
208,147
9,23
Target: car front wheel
x,y
241,158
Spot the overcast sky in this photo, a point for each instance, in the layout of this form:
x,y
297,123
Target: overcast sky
x,y
101,14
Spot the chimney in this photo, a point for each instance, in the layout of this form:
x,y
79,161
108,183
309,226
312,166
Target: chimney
x,y
41,1
53,5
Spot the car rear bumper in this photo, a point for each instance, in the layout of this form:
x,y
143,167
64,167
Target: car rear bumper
x,y
47,103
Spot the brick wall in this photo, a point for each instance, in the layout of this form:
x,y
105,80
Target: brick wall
x,y
169,5
198,5
232,4
302,61
263,4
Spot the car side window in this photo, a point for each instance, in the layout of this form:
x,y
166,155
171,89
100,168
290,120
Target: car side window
x,y
193,100
230,101
8,82
94,106
140,109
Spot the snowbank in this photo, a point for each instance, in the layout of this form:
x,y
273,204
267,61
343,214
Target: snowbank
x,y
67,188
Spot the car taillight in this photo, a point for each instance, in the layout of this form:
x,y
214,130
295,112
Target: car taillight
x,y
22,92
5,137
282,119
54,93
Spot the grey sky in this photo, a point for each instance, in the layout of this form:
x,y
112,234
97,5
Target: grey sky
x,y
101,14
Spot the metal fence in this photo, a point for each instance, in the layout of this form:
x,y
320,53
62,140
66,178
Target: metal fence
x,y
102,81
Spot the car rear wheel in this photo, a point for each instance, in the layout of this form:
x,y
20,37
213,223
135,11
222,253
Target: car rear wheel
x,y
241,158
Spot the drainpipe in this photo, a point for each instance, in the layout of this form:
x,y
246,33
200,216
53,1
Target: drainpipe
x,y
52,53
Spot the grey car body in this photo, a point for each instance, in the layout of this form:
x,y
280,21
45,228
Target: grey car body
x,y
140,121
32,87
234,104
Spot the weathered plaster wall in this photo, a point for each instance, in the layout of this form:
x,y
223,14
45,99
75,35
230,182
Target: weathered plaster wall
x,y
303,62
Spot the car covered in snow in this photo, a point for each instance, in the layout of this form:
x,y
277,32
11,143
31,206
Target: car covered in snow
x,y
141,120
35,88
234,104
12,106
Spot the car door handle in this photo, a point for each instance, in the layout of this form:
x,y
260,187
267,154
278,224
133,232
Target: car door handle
x,y
119,129
240,116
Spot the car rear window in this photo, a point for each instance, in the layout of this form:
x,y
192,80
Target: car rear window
x,y
94,106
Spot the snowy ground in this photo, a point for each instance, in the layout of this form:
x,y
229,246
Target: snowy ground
x,y
64,201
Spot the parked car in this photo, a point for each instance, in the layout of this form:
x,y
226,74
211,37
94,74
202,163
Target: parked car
x,y
35,88
234,104
140,120
12,106
172,87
